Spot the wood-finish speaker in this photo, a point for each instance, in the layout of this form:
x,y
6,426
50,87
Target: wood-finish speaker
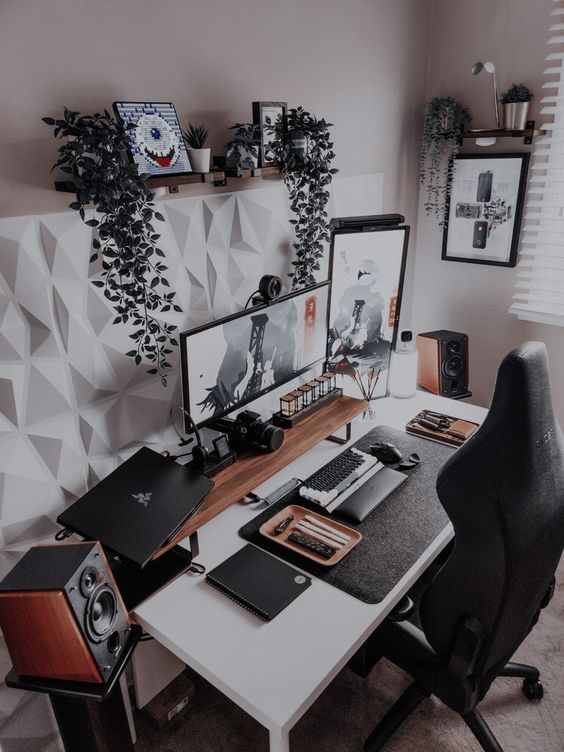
x,y
62,614
442,362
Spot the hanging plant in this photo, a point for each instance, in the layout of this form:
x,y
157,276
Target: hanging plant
x,y
445,121
302,146
132,274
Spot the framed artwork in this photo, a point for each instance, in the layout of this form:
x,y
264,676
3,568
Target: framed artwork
x,y
367,269
231,361
157,146
485,207
266,114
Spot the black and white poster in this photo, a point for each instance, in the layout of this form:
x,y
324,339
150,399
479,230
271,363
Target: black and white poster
x,y
366,279
230,362
484,209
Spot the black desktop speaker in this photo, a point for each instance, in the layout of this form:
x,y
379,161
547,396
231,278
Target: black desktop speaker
x,y
62,615
442,365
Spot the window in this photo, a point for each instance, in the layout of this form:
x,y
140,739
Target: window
x,y
539,289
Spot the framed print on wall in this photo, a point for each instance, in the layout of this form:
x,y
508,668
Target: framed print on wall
x,y
267,114
157,146
367,269
485,208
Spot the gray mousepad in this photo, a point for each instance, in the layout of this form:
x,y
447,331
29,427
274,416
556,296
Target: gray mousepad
x,y
394,535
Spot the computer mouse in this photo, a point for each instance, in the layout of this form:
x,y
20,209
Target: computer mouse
x,y
386,453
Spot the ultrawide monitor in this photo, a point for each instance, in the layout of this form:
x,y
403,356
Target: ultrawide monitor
x,y
231,361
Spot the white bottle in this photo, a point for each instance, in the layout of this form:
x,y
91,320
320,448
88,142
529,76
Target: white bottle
x,y
403,369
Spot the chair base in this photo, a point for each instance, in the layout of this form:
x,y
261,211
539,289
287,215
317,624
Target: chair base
x,y
415,694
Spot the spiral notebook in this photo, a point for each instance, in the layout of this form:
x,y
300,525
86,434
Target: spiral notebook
x,y
258,582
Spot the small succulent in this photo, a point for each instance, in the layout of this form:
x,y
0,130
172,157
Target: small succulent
x,y
517,93
243,148
195,136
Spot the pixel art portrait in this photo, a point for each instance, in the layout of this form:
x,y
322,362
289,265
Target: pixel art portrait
x,y
157,146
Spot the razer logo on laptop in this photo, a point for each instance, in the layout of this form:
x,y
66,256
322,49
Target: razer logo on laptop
x,y
142,498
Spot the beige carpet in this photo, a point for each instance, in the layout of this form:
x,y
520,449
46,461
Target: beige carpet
x,y
347,711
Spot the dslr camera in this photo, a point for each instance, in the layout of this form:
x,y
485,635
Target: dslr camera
x,y
248,430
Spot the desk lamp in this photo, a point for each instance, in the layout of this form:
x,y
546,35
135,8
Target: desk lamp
x,y
477,68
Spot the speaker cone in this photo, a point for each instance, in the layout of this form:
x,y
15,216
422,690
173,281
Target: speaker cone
x,y
453,346
454,366
101,613
88,580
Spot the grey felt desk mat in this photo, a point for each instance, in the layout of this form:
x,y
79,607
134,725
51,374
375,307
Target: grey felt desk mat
x,y
394,535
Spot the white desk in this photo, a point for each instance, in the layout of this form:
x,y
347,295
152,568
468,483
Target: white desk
x,y
276,670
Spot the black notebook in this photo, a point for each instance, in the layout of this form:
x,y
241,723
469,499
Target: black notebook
x,y
258,582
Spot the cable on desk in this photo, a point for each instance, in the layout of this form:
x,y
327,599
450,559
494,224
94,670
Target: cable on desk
x,y
63,534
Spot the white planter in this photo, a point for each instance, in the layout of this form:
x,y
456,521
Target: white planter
x,y
515,115
200,159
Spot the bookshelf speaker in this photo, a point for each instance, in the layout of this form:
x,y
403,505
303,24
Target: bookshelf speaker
x,y
62,615
442,365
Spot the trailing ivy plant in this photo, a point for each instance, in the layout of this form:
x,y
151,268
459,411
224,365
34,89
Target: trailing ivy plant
x,y
445,121
302,146
132,272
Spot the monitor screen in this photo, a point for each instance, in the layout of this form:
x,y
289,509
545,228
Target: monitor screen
x,y
234,360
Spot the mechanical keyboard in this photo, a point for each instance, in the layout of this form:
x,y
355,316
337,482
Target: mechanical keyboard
x,y
340,478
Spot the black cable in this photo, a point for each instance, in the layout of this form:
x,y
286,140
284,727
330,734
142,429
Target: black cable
x,y
250,298
63,534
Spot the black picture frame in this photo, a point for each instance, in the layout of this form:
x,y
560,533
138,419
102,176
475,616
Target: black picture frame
x,y
120,109
184,371
265,114
367,232
477,211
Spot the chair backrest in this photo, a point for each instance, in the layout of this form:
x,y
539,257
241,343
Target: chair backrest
x,y
504,493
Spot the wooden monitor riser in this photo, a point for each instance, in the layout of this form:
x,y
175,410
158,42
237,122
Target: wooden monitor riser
x,y
252,469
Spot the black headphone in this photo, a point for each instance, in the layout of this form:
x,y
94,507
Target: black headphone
x,y
199,452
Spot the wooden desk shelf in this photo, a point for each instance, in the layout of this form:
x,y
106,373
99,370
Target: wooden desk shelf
x,y
172,182
252,469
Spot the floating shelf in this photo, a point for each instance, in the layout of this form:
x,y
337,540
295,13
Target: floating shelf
x,y
172,182
528,134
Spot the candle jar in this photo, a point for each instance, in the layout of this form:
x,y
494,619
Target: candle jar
x,y
288,405
306,395
315,393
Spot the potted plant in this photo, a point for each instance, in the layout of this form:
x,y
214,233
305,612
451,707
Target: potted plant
x,y
243,149
132,266
195,137
516,102
445,121
303,148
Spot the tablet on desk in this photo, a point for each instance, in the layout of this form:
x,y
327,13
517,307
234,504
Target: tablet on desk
x,y
377,488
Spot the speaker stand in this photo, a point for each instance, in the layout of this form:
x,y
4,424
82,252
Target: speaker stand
x,y
90,717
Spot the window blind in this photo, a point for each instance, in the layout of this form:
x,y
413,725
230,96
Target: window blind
x,y
539,288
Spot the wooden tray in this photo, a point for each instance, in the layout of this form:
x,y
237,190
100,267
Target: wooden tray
x,y
298,513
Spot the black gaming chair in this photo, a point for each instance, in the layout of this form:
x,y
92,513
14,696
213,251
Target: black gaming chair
x,y
504,493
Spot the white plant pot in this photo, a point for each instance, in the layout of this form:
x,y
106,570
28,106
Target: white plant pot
x,y
515,115
200,159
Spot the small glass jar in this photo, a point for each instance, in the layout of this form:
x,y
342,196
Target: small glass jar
x,y
288,405
314,386
305,390
298,397
332,380
323,385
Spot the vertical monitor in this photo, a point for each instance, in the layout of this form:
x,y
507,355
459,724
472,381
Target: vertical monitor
x,y
231,361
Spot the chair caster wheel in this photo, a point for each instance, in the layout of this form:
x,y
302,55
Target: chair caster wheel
x,y
533,690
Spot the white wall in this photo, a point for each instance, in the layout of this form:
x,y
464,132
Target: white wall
x,y
470,297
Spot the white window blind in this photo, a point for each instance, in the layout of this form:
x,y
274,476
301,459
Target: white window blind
x,y
539,289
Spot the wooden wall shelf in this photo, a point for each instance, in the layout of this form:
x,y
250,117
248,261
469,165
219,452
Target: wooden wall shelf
x,y
173,182
252,469
528,134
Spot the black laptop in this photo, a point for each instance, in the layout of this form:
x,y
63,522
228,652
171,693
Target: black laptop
x,y
138,507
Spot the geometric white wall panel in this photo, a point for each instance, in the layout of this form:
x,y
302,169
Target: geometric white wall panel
x,y
70,401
